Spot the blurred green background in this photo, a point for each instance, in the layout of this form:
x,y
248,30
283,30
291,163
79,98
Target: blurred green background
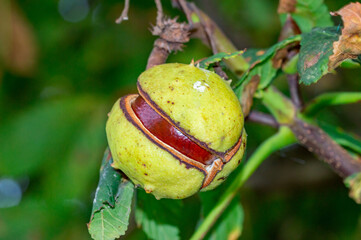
x,y
62,66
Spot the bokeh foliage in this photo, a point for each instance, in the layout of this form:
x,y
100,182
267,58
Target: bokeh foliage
x,y
60,80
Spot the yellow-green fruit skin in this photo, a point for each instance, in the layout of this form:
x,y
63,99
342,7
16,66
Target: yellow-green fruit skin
x,y
198,100
229,166
145,163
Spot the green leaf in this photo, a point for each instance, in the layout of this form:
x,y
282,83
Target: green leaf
x,y
40,134
262,65
112,203
205,63
310,14
111,223
195,18
230,224
331,99
109,180
357,60
343,138
316,48
291,66
159,218
84,153
353,182
351,63
254,54
231,220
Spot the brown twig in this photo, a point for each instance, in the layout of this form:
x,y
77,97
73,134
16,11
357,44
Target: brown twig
x,y
171,34
124,15
295,90
310,136
204,29
197,31
290,28
209,32
319,143
159,11
262,118
208,29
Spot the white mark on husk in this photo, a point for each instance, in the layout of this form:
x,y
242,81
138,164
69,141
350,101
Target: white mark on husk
x,y
200,87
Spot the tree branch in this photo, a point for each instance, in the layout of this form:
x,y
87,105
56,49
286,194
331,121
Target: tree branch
x,y
124,15
319,143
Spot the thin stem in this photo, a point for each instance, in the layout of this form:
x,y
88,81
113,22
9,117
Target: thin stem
x,y
157,56
295,90
159,11
329,99
124,15
160,51
238,65
279,105
282,138
208,29
217,40
262,118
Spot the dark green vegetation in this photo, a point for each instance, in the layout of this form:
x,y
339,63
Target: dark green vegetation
x,y
61,78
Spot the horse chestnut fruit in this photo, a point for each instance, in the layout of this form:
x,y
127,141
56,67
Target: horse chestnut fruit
x,y
181,134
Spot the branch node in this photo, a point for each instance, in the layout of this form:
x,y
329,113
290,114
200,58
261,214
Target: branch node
x,y
171,35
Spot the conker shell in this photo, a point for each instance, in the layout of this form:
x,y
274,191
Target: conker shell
x,y
147,164
197,100
198,103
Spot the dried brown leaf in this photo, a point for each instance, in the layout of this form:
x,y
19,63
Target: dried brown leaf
x,y
283,55
248,93
287,6
290,28
349,43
